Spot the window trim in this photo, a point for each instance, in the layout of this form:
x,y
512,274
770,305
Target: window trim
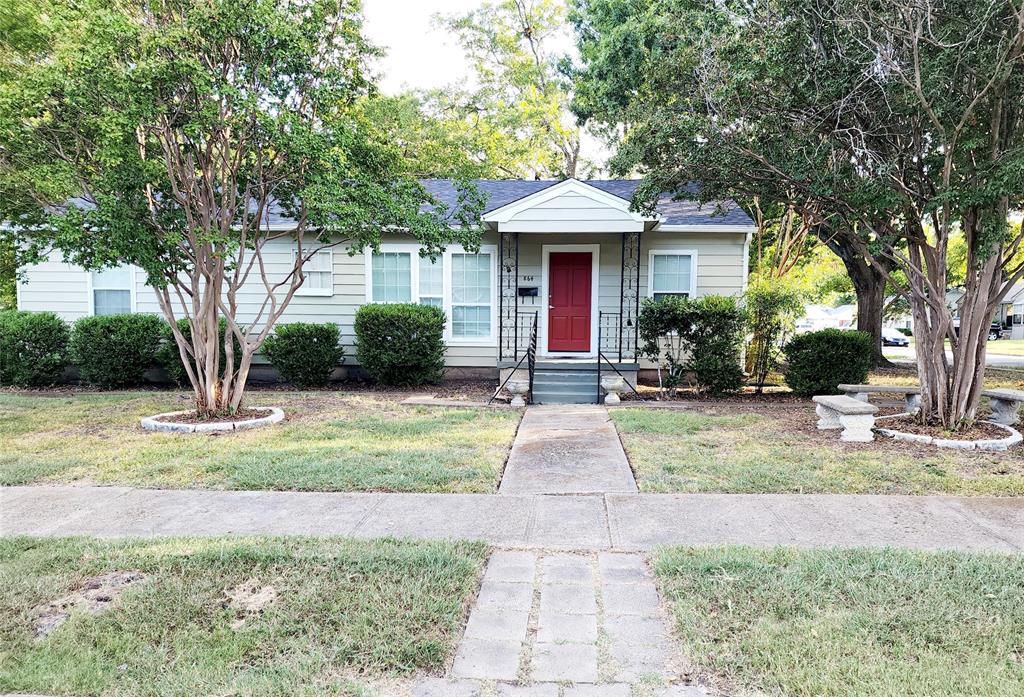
x,y
445,258
692,253
132,290
316,292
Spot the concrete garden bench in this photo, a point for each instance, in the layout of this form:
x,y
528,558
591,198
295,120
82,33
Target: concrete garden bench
x,y
911,394
856,417
1005,405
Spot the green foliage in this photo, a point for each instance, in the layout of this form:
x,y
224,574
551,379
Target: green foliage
x,y
703,336
440,137
716,340
169,357
521,97
772,308
170,129
821,361
33,348
305,354
8,275
115,350
858,113
401,344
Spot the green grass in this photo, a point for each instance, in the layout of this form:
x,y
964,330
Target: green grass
x,y
687,451
851,623
346,612
330,442
1000,347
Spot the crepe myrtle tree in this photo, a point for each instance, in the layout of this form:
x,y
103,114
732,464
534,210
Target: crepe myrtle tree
x,y
172,134
899,121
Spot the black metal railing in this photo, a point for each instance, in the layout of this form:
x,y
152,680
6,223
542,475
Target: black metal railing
x,y
528,352
614,339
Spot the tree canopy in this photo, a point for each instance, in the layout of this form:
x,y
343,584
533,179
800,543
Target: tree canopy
x,y
895,119
172,134
521,89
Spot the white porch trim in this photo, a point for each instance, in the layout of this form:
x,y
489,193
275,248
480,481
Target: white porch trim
x,y
542,325
625,220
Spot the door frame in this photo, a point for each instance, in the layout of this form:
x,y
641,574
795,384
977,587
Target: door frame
x,y
595,267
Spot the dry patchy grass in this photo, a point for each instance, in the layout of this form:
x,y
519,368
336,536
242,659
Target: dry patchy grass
x,y
329,442
734,448
850,623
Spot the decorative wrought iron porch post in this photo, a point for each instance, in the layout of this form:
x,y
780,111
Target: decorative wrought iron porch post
x,y
508,295
629,295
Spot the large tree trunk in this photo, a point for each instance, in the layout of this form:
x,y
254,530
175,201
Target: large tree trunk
x,y
951,387
869,282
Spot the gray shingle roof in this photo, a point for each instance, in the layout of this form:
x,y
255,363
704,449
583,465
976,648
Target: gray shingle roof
x,y
501,192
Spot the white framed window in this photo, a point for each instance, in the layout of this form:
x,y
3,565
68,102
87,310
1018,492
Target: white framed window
x,y
319,273
391,276
431,281
471,295
112,291
672,272
462,284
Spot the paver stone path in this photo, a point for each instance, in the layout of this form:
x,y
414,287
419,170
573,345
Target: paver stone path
x,y
564,625
567,449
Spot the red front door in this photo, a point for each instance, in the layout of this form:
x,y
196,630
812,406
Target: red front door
x,y
569,301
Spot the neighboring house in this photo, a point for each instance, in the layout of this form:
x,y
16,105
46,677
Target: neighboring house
x,y
570,256
827,317
1009,315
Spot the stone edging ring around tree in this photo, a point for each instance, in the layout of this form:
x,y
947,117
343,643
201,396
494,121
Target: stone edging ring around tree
x,y
154,423
989,444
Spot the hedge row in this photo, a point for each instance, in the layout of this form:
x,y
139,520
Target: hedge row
x,y
116,350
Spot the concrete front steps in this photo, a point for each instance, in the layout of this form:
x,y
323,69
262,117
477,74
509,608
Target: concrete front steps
x,y
571,381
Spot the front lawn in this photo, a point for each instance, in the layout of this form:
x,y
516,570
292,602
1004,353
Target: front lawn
x,y
850,623
329,442
329,616
766,448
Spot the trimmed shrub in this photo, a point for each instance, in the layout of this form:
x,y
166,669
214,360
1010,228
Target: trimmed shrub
x,y
401,344
169,357
305,354
716,344
33,348
703,336
115,350
821,361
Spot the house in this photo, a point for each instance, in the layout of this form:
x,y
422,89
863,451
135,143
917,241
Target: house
x,y
563,264
827,317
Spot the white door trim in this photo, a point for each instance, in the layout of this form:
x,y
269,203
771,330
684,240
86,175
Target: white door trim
x,y
595,267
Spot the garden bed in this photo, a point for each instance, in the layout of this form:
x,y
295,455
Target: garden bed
x,y
982,435
190,421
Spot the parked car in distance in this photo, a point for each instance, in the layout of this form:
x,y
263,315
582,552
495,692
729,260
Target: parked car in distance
x,y
995,331
894,337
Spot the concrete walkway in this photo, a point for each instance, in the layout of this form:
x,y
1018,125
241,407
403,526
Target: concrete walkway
x,y
567,449
628,522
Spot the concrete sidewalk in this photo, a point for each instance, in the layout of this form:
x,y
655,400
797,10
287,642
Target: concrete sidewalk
x,y
623,522
567,449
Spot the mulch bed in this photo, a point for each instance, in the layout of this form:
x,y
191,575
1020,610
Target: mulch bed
x,y
979,431
194,418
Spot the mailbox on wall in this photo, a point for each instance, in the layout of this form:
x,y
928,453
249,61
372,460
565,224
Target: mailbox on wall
x,y
528,291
